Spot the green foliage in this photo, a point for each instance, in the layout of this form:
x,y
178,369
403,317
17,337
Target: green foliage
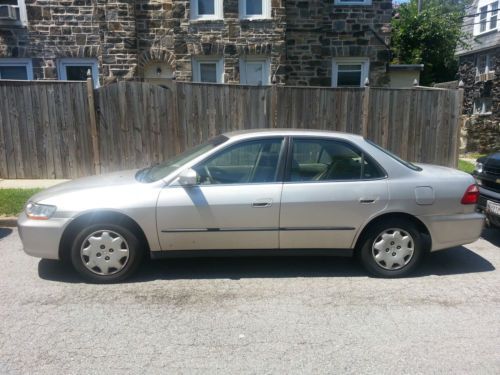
x,y
430,37
12,201
465,166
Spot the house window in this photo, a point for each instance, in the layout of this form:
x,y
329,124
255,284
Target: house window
x,y
255,72
206,9
77,70
353,2
208,70
349,72
494,16
255,9
13,12
483,14
18,69
486,17
482,106
484,64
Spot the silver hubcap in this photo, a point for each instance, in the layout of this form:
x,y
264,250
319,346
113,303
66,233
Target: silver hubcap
x,y
393,249
104,252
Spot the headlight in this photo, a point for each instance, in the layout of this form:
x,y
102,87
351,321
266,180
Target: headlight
x,y
37,211
479,167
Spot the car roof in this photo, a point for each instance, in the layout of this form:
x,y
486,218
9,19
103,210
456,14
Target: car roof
x,y
252,133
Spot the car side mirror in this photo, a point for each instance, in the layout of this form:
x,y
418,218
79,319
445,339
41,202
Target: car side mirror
x,y
188,177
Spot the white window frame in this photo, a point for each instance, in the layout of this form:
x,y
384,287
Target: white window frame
x,y
352,2
266,70
197,61
363,61
487,68
482,110
62,64
266,11
488,4
218,10
27,63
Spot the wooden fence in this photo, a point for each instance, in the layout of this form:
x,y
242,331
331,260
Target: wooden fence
x,y
68,129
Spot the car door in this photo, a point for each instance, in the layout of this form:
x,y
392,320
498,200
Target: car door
x,y
235,205
331,189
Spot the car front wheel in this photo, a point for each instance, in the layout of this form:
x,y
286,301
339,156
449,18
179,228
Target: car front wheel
x,y
106,253
392,248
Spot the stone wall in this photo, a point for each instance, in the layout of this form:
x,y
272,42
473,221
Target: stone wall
x,y
124,36
483,131
99,29
318,30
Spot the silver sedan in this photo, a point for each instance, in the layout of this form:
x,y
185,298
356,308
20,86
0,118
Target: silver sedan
x,y
257,193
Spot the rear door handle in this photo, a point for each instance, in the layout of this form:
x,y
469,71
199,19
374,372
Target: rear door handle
x,y
366,200
262,203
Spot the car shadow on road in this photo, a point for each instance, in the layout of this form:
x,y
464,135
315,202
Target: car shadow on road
x,y
492,235
4,232
458,260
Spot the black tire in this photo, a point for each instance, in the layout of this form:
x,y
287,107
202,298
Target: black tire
x,y
135,253
366,252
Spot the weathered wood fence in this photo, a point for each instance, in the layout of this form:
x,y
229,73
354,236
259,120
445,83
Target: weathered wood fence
x,y
68,129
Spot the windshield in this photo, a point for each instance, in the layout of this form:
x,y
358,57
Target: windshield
x,y
162,170
397,158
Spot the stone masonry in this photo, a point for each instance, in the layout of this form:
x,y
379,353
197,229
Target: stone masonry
x,y
483,131
300,39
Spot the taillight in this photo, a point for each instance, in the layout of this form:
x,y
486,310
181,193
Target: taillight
x,y
471,195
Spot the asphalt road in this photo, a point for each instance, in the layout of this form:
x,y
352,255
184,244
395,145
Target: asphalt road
x,y
259,315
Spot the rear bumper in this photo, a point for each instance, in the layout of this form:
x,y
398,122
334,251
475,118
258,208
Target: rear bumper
x,y
453,230
488,195
41,238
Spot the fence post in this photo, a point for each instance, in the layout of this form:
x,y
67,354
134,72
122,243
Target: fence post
x,y
274,107
460,120
93,124
366,109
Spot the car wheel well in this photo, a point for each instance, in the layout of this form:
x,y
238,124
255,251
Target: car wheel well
x,y
394,215
94,217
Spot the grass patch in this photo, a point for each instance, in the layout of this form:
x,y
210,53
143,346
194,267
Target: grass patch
x,y
12,201
473,155
465,166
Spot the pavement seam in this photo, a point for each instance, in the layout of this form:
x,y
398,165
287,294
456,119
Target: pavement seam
x,y
9,221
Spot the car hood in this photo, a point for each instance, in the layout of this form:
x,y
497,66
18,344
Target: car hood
x,y
102,181
492,160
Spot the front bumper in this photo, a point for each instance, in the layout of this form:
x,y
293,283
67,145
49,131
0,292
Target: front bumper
x,y
488,195
41,238
453,230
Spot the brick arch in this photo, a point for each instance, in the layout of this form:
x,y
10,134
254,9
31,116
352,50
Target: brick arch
x,y
255,49
78,51
205,48
352,51
156,55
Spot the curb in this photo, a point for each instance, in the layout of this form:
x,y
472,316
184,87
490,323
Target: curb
x,y
10,222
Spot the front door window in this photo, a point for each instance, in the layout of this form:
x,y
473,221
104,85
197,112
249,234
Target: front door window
x,y
248,162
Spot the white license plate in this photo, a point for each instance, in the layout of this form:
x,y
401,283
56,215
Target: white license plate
x,y
493,208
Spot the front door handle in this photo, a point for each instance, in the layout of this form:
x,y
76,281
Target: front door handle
x,y
366,200
262,203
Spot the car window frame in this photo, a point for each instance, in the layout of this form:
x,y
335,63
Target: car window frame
x,y
352,145
282,158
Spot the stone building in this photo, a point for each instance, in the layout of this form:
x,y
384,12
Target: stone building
x,y
294,42
479,69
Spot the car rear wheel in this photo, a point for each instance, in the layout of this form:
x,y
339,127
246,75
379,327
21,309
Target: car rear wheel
x,y
392,248
106,253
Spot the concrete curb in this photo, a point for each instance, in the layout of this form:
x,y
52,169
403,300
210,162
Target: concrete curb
x,y
8,222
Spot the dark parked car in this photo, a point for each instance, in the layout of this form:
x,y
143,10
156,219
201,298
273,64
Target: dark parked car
x,y
487,175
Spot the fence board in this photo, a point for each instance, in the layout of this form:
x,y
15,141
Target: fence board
x,y
42,130
45,126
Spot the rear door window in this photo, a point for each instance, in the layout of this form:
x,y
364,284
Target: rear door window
x,y
330,160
